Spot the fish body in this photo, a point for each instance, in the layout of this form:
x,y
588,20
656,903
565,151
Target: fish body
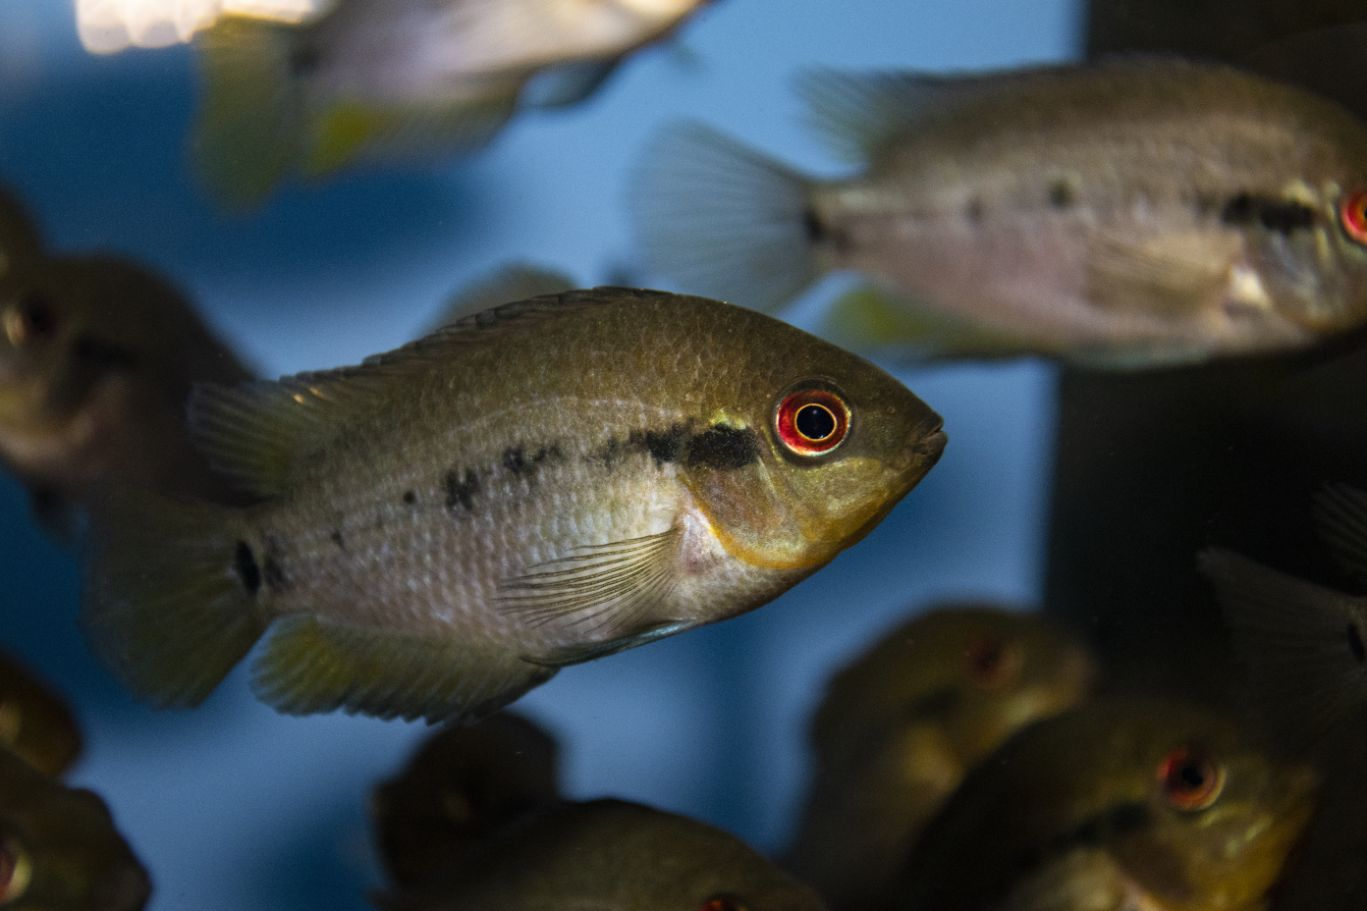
x,y
59,849
35,723
1188,811
394,80
610,855
903,723
109,26
97,357
538,485
1131,212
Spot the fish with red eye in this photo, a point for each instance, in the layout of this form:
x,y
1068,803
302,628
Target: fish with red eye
x,y
723,903
1353,216
812,422
992,662
1189,779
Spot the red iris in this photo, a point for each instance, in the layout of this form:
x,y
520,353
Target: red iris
x,y
812,422
1353,216
1190,780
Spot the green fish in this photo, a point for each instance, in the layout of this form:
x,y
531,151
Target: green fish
x,y
901,725
1185,809
59,850
462,785
609,855
444,526
1131,213
35,723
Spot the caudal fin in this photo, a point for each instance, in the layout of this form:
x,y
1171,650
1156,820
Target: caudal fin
x,y
169,596
722,220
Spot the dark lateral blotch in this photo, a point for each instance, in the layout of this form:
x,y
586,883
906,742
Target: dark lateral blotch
x,y
410,497
460,488
1355,643
1062,194
244,562
1280,215
723,447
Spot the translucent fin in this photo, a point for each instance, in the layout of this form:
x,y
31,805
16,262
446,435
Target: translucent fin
x,y
514,282
248,132
723,220
1305,646
310,665
165,606
567,84
1341,515
1171,273
859,113
590,651
601,593
869,318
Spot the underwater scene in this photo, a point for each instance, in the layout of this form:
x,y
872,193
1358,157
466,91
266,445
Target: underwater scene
x,y
683,455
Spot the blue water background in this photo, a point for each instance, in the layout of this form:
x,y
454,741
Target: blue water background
x,y
232,806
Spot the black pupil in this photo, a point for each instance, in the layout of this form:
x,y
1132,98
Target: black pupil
x,y
37,314
1191,776
815,422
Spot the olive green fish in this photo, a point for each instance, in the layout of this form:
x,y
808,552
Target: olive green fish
x,y
97,357
35,723
59,850
609,855
384,81
462,785
1130,213
1189,811
901,725
550,481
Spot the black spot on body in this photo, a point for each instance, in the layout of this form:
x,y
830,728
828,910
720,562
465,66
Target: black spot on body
x,y
1355,643
723,447
460,489
519,461
337,538
410,497
974,210
272,572
818,233
1062,194
244,562
663,445
1280,215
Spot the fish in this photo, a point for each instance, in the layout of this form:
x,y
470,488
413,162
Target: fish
x,y
35,723
20,243
508,283
1125,214
110,26
1189,810
462,785
901,724
611,855
97,358
444,526
60,849
401,80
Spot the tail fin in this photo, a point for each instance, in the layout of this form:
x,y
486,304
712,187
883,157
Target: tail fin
x,y
251,118
1341,516
169,602
723,220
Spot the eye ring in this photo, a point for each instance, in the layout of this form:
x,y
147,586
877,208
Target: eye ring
x,y
1190,780
992,663
1353,216
16,870
29,319
812,421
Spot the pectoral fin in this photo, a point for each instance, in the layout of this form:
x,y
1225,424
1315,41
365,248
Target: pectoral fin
x,y
1168,273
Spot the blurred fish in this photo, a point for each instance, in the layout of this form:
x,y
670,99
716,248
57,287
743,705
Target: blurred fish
x,y
97,357
35,723
902,724
402,79
609,855
109,26
545,483
508,283
1190,812
59,850
462,785
1126,214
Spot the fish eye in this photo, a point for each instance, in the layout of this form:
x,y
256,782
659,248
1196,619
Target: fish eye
x,y
725,902
32,318
16,869
1190,780
812,422
991,662
1353,216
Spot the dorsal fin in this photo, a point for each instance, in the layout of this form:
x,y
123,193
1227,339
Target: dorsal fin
x,y
510,282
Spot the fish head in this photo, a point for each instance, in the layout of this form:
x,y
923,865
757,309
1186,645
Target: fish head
x,y
658,11
34,722
814,446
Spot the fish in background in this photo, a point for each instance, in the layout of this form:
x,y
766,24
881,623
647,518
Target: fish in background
x,y
59,849
35,723
109,26
446,525
97,359
461,786
1122,803
901,724
1126,214
399,80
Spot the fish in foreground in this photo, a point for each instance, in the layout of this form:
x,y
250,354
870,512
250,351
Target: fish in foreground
x,y
1149,803
401,79
610,855
59,849
901,725
109,26
35,723
1127,214
462,785
97,358
548,482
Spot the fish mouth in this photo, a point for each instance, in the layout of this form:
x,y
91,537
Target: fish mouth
x,y
930,440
